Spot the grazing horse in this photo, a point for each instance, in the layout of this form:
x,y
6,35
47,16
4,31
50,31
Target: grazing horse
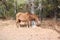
x,y
26,19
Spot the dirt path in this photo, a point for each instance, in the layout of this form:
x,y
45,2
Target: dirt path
x,y
8,31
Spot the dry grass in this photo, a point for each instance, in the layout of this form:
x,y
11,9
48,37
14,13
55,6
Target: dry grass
x,y
51,24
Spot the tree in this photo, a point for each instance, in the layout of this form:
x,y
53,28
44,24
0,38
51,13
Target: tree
x,y
7,8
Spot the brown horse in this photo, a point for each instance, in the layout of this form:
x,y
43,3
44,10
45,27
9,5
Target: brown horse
x,y
26,19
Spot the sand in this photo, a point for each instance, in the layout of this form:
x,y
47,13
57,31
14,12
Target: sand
x,y
9,31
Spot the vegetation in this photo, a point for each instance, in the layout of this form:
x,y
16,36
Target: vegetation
x,y
47,8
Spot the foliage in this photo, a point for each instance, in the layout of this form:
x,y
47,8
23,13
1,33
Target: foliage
x,y
9,8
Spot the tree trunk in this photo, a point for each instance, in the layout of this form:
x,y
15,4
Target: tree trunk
x,y
32,6
15,6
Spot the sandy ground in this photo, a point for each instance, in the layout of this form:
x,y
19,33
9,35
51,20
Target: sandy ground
x,y
9,31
